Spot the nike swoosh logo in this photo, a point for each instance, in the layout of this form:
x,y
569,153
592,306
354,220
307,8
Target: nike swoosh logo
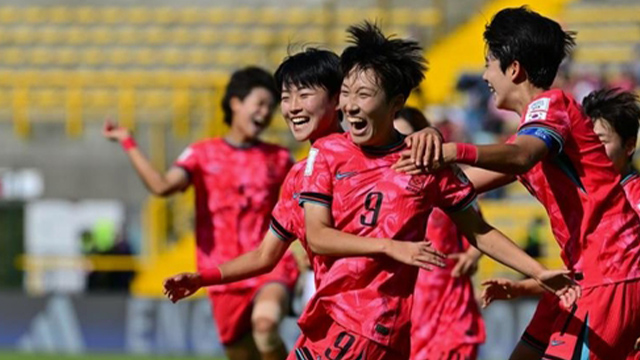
x,y
340,176
556,342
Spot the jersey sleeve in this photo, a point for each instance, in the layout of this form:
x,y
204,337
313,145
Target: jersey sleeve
x,y
188,160
282,216
317,184
547,119
455,190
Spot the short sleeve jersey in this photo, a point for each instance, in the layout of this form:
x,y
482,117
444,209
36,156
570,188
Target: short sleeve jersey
x,y
235,190
596,228
372,295
287,218
631,185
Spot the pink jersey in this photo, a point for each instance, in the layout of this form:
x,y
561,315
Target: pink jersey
x,y
596,228
287,218
445,312
372,295
236,189
631,185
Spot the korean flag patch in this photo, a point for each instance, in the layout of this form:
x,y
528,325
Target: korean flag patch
x,y
308,170
537,110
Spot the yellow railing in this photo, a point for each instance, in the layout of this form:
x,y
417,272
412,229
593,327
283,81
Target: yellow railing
x,y
41,263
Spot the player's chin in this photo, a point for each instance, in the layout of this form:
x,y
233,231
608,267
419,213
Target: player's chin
x,y
361,137
300,134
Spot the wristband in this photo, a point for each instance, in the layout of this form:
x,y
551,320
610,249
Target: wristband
x,y
466,153
211,276
128,143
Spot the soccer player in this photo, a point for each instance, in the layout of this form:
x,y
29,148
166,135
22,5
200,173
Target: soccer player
x,y
236,180
310,82
446,320
363,304
558,157
615,115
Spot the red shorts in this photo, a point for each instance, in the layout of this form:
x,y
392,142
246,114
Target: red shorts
x,y
538,333
334,342
232,311
604,326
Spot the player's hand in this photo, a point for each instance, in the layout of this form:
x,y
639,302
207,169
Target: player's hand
x,y
113,132
181,286
425,149
498,289
560,283
637,345
466,264
420,254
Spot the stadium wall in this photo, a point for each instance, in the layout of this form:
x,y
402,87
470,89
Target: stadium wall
x,y
118,323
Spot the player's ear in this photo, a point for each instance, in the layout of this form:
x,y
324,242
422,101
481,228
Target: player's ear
x,y
630,146
516,72
235,103
397,103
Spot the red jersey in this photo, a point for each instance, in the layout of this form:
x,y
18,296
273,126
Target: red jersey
x,y
631,185
287,218
236,189
596,228
445,313
372,295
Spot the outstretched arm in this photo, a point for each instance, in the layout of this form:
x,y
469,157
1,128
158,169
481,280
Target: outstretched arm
x,y
513,158
506,289
487,180
323,239
253,263
499,247
157,183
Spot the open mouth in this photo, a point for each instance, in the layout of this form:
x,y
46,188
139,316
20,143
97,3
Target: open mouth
x,y
300,120
357,123
259,123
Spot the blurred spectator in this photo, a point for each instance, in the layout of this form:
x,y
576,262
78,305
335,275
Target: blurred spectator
x,y
533,245
103,240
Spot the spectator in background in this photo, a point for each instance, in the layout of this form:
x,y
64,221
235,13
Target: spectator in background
x,y
102,239
533,245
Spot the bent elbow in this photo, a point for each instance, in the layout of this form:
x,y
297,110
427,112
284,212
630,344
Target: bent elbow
x,y
523,163
315,245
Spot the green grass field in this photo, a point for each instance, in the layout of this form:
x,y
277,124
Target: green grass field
x,y
6,355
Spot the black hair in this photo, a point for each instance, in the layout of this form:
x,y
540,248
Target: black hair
x,y
538,43
398,64
242,82
414,117
311,68
618,108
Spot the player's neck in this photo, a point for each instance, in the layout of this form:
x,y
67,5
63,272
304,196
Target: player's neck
x,y
524,95
390,138
334,129
238,138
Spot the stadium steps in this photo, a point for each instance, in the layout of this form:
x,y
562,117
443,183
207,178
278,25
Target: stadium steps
x,y
607,32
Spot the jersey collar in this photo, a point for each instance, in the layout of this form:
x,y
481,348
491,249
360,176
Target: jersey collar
x,y
630,175
387,149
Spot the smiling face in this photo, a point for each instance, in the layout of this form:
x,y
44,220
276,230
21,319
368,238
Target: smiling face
x,y
310,112
252,115
500,83
616,149
366,108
